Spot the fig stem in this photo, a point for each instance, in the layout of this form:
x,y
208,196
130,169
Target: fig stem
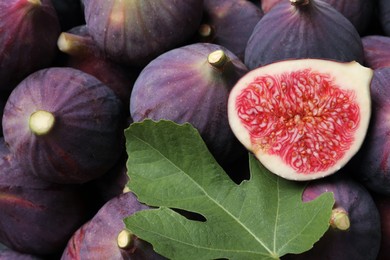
x,y
340,219
41,122
125,239
72,44
217,59
299,2
205,31
35,2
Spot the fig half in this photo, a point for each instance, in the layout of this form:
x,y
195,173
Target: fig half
x,y
303,119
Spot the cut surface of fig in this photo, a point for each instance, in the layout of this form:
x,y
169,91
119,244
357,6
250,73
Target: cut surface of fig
x,y
303,119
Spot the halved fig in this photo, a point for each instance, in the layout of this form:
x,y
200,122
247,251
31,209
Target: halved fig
x,y
135,32
376,51
303,119
298,29
64,125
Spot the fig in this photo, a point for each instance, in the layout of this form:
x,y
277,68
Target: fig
x,y
229,23
64,125
25,46
384,15
37,217
355,229
191,84
298,29
383,204
82,53
9,254
372,162
376,51
135,32
303,119
105,236
358,12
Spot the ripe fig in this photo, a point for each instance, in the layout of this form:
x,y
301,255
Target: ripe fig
x,y
64,125
82,53
303,119
229,23
36,217
9,254
384,15
358,12
372,163
376,51
135,32
191,84
298,29
24,45
355,229
106,237
383,204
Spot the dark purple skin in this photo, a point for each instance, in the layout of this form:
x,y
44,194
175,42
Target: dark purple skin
x,y
97,239
376,51
181,86
315,30
161,26
24,46
70,13
383,204
82,53
9,254
231,23
384,15
36,217
372,162
358,12
87,138
361,241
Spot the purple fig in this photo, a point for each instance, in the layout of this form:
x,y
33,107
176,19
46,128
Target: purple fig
x,y
36,217
376,51
383,205
191,84
355,230
229,23
298,29
64,125
29,31
160,26
82,53
106,237
9,254
372,162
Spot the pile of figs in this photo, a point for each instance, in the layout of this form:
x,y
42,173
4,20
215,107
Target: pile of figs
x,y
74,74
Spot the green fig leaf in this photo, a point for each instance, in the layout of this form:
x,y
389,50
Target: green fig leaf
x,y
170,168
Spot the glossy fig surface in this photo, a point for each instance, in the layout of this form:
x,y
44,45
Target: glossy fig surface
x,y
64,125
376,51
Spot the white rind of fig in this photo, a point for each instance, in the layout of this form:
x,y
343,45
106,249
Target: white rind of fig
x,y
299,131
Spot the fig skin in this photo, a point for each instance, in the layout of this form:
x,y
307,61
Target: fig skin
x,y
384,15
9,254
25,46
182,86
358,12
37,217
97,238
383,204
229,23
86,138
296,32
372,162
361,239
82,53
376,51
161,26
